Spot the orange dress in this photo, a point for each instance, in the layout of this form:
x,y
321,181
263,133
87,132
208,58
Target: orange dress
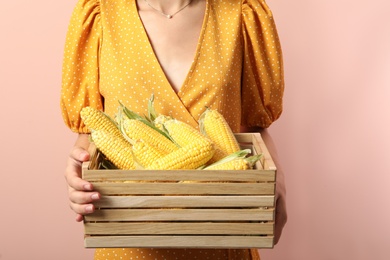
x,y
237,69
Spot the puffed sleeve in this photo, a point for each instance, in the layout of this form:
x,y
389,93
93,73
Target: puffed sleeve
x,y
263,79
80,72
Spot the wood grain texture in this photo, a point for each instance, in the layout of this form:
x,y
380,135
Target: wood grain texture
x,y
184,208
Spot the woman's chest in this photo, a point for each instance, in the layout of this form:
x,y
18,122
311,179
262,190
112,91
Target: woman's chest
x,y
175,41
191,64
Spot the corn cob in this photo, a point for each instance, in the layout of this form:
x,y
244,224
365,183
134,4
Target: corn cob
x,y
96,119
183,133
190,156
218,155
213,125
145,154
236,164
235,161
115,148
135,129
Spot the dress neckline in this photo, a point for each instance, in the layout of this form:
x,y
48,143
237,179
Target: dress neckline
x,y
184,86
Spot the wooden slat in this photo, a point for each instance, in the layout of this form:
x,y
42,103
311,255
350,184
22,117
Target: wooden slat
x,y
245,137
175,228
182,175
259,147
184,201
180,241
185,188
268,163
181,215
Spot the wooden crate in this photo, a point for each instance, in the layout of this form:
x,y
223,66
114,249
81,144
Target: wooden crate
x,y
184,208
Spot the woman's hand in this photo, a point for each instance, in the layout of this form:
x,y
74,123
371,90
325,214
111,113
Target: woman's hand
x,y
81,194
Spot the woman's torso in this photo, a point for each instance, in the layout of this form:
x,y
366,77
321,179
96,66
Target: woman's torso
x,y
134,66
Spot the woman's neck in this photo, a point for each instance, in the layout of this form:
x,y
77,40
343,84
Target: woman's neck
x,y
168,7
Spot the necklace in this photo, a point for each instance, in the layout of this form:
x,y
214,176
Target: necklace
x,y
168,16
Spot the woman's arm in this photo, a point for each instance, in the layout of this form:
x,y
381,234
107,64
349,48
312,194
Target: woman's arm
x,y
281,211
81,194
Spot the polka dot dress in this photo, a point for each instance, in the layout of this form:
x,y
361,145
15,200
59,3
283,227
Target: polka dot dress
x,y
175,254
237,69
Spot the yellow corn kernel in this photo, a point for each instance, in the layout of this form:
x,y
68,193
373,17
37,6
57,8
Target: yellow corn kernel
x,y
236,161
116,149
236,164
190,156
218,155
145,154
96,119
135,129
213,125
183,133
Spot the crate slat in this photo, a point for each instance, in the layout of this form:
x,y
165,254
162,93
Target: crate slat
x,y
185,201
129,188
177,176
179,214
174,228
259,147
181,241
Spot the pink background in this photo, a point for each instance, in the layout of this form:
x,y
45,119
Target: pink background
x,y
333,137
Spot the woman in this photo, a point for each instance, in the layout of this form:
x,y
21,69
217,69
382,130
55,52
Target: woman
x,y
191,54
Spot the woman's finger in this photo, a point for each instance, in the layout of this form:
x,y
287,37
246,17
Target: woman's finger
x,y
82,209
81,197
